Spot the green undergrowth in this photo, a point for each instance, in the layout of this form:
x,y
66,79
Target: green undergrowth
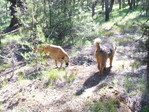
x,y
47,77
134,85
5,66
51,76
106,33
58,74
108,105
123,21
1,107
4,83
145,109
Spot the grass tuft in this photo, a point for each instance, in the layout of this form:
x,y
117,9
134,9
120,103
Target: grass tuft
x,y
70,77
106,33
109,105
51,76
145,109
4,67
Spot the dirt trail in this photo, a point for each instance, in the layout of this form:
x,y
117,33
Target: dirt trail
x,y
88,87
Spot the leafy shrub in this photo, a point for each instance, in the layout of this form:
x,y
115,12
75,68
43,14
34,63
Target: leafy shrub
x,y
51,76
106,33
145,109
4,67
108,105
70,77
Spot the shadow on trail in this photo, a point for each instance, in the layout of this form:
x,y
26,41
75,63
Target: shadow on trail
x,y
94,80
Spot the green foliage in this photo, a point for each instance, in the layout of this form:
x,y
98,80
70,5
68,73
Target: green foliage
x,y
70,77
75,52
57,74
128,83
125,40
4,15
3,67
22,109
51,76
145,109
1,107
66,23
135,65
106,33
4,83
21,75
8,39
29,57
99,107
109,105
134,85
88,43
79,43
28,73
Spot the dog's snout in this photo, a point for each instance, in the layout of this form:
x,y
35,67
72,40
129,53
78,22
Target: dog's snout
x,y
67,64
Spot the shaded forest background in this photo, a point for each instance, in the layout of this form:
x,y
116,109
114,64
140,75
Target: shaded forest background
x,y
25,24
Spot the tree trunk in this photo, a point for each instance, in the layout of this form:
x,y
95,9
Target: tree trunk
x,y
93,8
130,4
146,32
120,4
134,3
147,46
111,5
0,41
103,3
123,3
147,7
106,10
148,63
15,3
64,6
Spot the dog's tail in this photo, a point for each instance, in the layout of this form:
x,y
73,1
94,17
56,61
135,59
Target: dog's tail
x,y
97,43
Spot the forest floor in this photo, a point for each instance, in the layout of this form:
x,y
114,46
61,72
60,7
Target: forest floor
x,y
80,87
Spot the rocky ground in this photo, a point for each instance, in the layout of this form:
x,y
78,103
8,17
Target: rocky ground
x,y
124,83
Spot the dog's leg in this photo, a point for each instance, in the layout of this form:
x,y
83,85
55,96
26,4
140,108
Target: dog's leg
x,y
61,61
111,60
101,70
99,66
103,65
56,63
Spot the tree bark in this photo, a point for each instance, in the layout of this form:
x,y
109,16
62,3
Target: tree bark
x,y
123,3
102,3
134,3
111,5
130,4
148,63
106,10
93,8
147,46
14,4
120,4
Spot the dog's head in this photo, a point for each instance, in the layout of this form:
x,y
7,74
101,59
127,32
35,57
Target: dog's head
x,y
39,49
66,59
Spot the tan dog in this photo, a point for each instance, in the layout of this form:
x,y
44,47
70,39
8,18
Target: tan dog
x,y
103,53
55,52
